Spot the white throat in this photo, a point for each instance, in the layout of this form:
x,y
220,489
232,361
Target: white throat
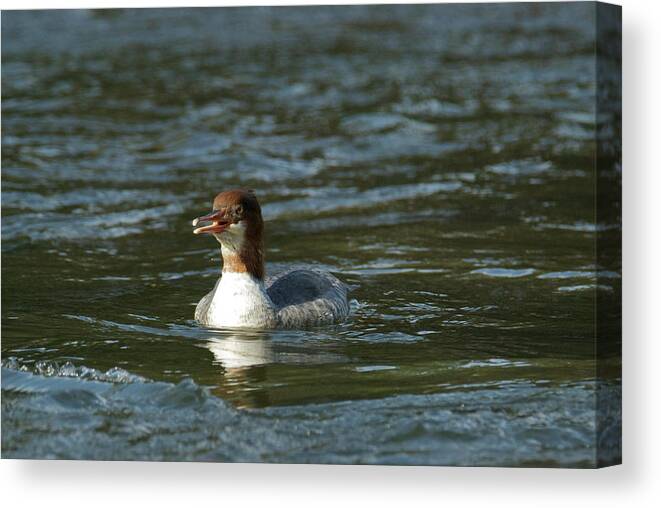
x,y
231,240
240,300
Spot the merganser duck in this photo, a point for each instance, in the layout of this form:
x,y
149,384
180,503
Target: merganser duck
x,y
242,298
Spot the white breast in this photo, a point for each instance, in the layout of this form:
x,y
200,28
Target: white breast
x,y
240,301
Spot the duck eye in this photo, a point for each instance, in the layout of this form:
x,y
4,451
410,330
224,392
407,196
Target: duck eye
x,y
238,210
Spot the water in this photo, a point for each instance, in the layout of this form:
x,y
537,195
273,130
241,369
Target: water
x,y
439,160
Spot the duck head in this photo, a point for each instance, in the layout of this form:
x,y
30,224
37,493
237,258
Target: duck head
x,y
236,223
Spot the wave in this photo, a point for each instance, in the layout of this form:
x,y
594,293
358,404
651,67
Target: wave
x,y
105,416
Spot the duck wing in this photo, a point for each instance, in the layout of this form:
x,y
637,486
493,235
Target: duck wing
x,y
308,298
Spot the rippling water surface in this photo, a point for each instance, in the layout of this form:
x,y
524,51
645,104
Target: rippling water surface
x,y
437,159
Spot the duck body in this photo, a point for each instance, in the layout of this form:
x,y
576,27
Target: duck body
x,y
297,298
243,297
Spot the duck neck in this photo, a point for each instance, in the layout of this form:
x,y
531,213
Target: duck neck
x,y
247,258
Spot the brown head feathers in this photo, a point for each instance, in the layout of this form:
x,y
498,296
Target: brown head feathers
x,y
241,205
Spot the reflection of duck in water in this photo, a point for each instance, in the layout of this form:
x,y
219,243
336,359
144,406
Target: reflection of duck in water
x,y
254,366
242,298
237,351
243,359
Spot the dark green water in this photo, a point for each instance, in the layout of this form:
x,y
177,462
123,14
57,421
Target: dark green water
x,y
440,160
